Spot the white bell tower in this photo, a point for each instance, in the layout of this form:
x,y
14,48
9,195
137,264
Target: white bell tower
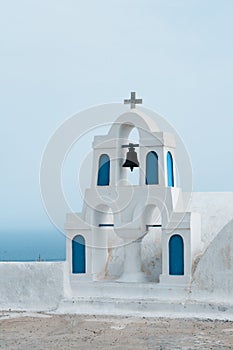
x,y
115,213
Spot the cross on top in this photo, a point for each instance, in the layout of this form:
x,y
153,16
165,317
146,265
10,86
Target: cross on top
x,y
133,100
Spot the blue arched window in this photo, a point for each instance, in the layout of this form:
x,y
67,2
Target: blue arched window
x,y
78,255
176,255
152,169
104,170
170,171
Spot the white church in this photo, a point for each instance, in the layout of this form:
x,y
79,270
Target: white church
x,y
144,243
133,233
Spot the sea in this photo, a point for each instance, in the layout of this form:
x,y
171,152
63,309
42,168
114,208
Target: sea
x,y
32,245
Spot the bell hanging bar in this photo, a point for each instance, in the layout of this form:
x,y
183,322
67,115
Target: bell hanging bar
x,y
131,156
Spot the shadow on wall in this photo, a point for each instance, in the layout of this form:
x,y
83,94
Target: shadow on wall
x,y
214,271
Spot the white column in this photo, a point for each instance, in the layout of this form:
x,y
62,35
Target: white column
x,y
165,253
69,249
162,166
132,262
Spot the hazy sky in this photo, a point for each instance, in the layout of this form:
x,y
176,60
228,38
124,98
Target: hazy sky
x,y
58,57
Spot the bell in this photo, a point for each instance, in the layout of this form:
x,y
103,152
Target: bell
x,y
131,158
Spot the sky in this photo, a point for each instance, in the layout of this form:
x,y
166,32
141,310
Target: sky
x,y
59,57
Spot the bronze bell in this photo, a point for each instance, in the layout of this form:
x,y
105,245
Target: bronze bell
x,y
131,157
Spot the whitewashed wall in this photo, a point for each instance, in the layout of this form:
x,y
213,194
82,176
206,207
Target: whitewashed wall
x,y
31,286
216,209
214,273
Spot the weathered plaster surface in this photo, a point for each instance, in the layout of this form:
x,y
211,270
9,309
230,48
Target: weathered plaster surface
x,y
151,258
216,209
214,272
31,286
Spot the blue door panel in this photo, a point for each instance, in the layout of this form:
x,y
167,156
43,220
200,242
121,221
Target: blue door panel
x,y
78,255
104,170
176,255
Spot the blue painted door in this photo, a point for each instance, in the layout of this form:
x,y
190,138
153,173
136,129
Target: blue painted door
x,y
176,255
152,169
170,173
104,170
78,255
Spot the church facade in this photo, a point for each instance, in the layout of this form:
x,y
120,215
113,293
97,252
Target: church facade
x,y
133,233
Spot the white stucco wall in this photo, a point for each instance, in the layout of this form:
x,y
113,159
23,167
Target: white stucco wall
x,y
214,273
216,209
31,286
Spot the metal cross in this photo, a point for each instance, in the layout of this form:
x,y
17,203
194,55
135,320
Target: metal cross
x,y
133,100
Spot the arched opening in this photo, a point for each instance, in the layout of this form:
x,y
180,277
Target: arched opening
x,y
104,170
152,216
170,170
103,216
176,255
152,168
133,176
78,254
